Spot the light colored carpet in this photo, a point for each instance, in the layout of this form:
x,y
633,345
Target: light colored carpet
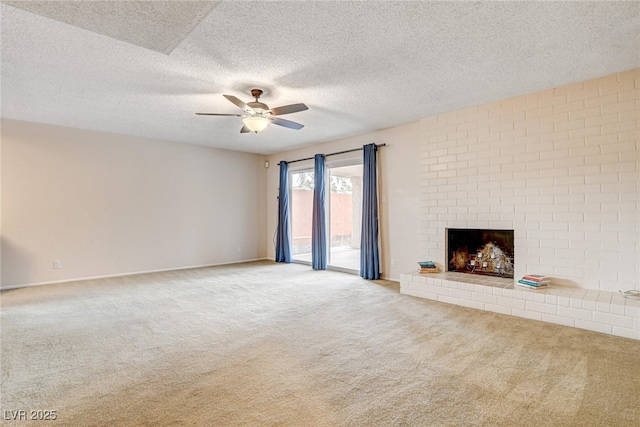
x,y
282,345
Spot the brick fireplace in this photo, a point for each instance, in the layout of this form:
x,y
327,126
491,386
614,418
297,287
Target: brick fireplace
x,y
560,167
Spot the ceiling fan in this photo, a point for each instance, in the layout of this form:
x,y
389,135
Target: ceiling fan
x,y
258,115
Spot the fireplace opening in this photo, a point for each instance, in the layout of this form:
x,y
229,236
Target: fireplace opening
x,y
476,251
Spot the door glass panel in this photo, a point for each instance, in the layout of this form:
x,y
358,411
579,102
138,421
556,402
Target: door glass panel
x,y
345,216
301,214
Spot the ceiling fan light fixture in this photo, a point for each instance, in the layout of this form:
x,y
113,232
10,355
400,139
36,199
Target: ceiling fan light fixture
x,y
255,124
257,115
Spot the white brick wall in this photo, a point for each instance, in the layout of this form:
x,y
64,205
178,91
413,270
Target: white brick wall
x,y
560,167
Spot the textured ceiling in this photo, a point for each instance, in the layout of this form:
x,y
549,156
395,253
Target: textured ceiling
x,y
145,68
155,25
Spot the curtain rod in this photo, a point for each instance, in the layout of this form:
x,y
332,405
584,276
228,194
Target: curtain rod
x,y
332,154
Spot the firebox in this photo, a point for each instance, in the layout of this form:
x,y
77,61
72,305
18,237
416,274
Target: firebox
x,y
476,251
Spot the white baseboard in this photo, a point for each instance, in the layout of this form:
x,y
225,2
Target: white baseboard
x,y
133,273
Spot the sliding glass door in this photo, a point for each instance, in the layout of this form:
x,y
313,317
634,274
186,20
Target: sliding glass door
x,y
343,214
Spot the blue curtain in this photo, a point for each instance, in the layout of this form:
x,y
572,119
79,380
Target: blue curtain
x,y
369,253
319,229
283,243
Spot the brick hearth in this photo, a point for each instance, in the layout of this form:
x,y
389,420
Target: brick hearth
x,y
606,312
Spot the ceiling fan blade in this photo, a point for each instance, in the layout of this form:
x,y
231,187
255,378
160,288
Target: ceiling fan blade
x,y
288,109
238,102
244,129
286,123
216,114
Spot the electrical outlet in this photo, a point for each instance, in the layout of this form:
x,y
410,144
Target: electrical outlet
x,y
57,265
393,263
238,250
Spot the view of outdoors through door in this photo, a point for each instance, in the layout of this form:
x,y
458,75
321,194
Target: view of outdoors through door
x,y
344,215
301,214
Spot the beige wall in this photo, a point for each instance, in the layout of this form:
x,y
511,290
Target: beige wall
x,y
107,204
560,167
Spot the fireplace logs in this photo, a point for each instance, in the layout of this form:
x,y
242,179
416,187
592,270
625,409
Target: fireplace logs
x,y
492,251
